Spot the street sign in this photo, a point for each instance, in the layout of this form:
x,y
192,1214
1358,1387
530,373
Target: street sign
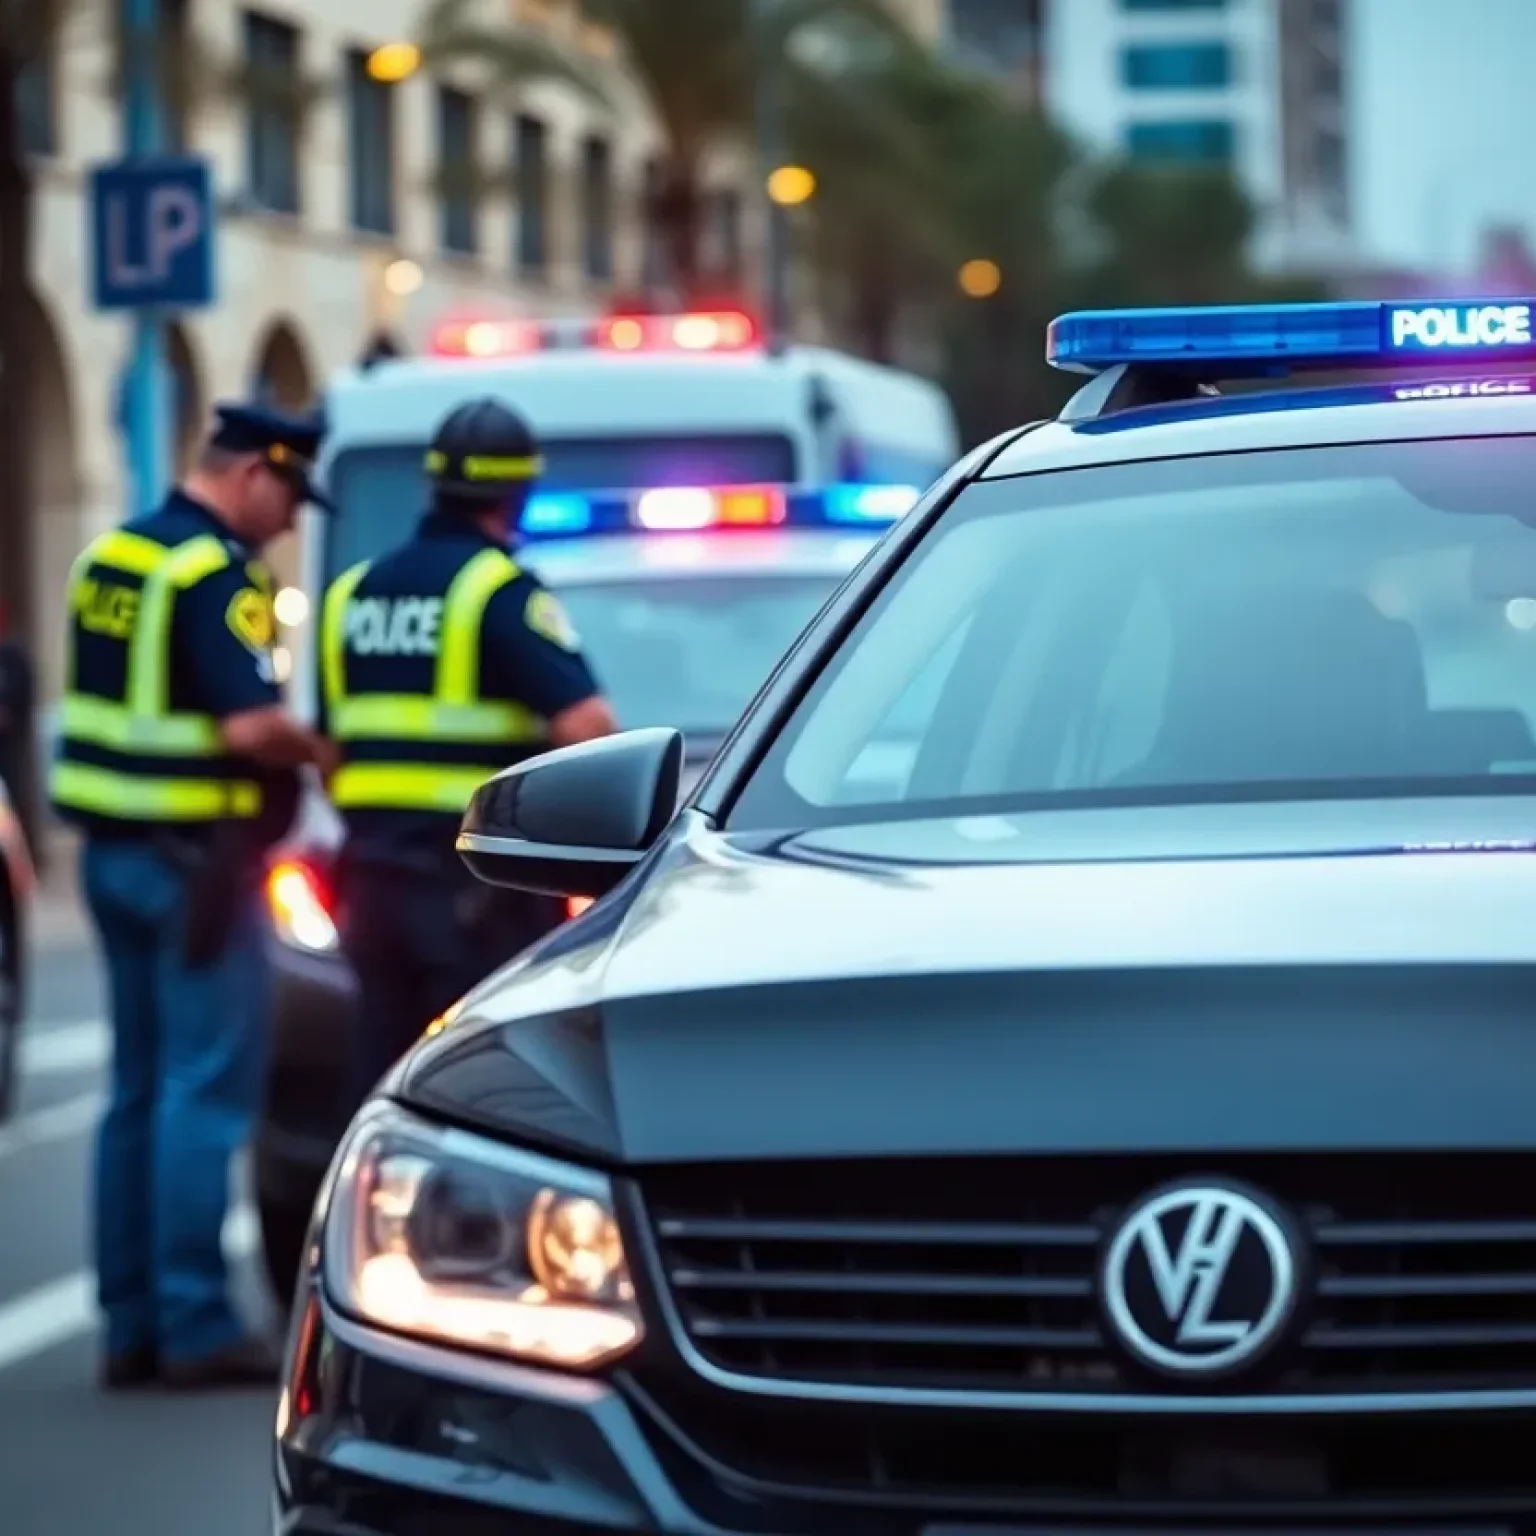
x,y
153,229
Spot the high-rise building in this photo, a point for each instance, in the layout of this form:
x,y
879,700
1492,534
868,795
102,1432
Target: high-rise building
x,y
1259,85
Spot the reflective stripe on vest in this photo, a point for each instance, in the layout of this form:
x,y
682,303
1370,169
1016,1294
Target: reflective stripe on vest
x,y
142,724
454,712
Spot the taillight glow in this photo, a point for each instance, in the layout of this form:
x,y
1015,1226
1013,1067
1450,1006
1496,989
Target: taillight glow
x,y
576,905
711,331
486,338
301,907
679,508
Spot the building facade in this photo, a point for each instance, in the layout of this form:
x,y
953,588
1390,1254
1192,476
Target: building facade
x,y
1259,85
351,210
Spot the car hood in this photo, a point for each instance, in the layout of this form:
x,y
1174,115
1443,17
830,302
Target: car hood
x,y
931,958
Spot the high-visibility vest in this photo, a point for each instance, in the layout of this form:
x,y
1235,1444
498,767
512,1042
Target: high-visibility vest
x,y
423,751
124,754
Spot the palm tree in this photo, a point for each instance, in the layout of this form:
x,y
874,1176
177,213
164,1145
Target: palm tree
x,y
703,67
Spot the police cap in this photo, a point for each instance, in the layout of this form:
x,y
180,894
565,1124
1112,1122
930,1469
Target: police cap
x,y
289,444
484,451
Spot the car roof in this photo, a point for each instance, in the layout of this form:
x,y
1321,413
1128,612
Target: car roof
x,y
660,556
1285,418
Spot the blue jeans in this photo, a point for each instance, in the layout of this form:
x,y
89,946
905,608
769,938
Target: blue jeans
x,y
188,1064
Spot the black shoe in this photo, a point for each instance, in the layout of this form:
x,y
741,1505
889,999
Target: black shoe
x,y
131,1369
248,1363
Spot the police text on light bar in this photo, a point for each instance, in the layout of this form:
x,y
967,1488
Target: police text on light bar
x,y
1237,341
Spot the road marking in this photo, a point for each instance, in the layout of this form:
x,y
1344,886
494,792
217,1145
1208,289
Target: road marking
x,y
47,1317
62,1310
78,1047
59,1122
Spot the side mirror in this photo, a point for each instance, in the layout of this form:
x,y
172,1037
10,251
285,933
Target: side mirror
x,y
575,821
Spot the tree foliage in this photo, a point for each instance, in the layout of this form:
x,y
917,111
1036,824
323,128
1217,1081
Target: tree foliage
x,y
704,67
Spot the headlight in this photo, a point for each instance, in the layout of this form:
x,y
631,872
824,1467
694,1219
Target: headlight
x,y
300,909
462,1241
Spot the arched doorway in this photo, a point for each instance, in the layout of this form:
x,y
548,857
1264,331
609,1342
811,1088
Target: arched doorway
x,y
188,406
36,551
282,376
281,373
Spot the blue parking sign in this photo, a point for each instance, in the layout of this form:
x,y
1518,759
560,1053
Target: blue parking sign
x,y
153,229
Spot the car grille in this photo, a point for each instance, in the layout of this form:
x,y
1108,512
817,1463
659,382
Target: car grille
x,y
980,1275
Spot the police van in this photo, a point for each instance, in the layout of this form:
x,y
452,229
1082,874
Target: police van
x,y
702,496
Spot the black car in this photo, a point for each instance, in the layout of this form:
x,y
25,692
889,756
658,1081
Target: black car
x,y
1066,1067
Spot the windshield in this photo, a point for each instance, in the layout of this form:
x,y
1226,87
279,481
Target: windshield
x,y
1314,623
692,652
380,493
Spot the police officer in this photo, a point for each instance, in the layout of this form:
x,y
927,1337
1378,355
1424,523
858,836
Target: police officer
x,y
178,761
441,664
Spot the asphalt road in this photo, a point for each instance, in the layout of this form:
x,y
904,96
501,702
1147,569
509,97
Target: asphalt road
x,y
73,1461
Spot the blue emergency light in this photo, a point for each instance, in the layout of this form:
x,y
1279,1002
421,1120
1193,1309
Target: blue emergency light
x,y
1268,340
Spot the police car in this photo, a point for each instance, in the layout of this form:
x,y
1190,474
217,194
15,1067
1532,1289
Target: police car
x,y
1067,1066
702,498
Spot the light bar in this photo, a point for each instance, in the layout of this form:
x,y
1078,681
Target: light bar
x,y
684,508
1237,341
486,338
712,331
868,504
556,512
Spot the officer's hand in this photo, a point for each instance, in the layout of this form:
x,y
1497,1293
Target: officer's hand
x,y
327,757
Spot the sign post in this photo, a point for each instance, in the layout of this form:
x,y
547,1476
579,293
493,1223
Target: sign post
x,y
152,244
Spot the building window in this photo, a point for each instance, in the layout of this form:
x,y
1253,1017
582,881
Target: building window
x,y
530,157
1209,142
370,148
1173,5
597,209
1176,66
458,168
37,107
271,125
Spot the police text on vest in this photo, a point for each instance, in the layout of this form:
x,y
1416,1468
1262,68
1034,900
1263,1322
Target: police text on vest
x,y
1462,325
394,626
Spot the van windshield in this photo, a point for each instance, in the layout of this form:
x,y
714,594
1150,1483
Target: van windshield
x,y
380,493
1309,624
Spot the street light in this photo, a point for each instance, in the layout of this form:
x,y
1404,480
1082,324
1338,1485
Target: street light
x,y
791,185
403,277
391,63
980,279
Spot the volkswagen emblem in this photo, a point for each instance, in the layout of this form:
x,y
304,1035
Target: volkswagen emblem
x,y
1200,1280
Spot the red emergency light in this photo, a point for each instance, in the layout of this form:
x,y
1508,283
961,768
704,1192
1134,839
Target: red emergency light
x,y
725,330
486,338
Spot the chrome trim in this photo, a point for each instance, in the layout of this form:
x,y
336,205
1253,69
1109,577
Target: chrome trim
x,y
1139,1404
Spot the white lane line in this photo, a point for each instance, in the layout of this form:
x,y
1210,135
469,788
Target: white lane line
x,y
78,1047
47,1317
53,1314
59,1122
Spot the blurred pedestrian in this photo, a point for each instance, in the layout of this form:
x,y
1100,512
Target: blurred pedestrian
x,y
17,697
179,763
442,663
